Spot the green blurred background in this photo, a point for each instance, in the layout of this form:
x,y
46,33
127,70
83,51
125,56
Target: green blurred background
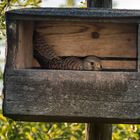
x,y
11,130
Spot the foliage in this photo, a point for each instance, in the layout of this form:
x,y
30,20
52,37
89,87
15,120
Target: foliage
x,y
11,130
13,4
70,3
126,132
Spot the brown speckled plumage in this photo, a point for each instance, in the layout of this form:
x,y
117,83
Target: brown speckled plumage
x,y
48,59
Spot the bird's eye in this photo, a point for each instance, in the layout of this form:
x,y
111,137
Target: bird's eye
x,y
92,63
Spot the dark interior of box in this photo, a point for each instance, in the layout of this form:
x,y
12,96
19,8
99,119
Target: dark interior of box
x,y
114,43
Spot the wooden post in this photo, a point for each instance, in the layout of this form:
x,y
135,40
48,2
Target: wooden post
x,y
99,3
99,131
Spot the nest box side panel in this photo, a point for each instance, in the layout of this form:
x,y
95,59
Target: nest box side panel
x,y
12,39
19,44
19,49
24,53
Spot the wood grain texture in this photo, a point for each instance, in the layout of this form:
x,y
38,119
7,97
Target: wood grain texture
x,y
77,38
128,65
69,95
24,54
11,28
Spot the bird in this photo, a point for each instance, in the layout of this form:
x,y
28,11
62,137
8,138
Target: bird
x,y
92,63
48,59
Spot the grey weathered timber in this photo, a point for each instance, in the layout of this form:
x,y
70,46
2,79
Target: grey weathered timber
x,y
99,3
104,15
72,96
11,28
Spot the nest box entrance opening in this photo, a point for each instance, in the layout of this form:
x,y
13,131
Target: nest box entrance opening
x,y
115,44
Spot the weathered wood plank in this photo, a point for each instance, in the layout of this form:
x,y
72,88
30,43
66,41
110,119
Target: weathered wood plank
x,y
24,54
12,39
69,95
72,12
82,39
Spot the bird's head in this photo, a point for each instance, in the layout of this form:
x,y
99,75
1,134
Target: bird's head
x,y
92,63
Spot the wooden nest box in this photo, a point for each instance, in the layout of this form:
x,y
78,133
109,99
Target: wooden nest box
x,y
35,94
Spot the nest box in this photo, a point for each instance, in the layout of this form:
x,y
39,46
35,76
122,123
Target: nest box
x,y
112,94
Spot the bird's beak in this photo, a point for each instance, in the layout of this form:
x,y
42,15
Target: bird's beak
x,y
99,67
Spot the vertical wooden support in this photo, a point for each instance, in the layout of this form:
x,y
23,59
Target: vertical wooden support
x,y
24,57
11,41
99,131
99,3
90,3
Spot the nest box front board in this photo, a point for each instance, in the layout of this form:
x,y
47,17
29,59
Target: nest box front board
x,y
35,94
